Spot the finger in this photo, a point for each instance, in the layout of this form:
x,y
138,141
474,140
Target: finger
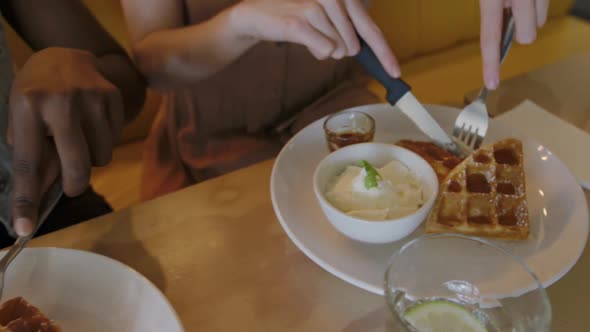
x,y
491,34
371,33
341,21
542,7
525,20
97,129
317,17
70,143
50,161
299,31
115,111
28,151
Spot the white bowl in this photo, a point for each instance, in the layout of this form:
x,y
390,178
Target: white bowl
x,y
377,154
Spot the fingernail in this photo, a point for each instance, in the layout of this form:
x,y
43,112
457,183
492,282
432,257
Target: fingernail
x,y
23,227
492,83
339,53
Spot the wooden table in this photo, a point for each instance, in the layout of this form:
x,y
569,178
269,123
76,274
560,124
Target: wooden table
x,y
219,254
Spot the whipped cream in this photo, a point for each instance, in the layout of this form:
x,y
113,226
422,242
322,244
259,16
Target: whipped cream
x,y
398,192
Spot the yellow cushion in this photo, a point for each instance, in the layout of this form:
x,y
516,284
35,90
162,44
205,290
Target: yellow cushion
x,y
444,77
416,27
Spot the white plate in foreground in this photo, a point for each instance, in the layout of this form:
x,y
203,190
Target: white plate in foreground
x,y
83,291
558,209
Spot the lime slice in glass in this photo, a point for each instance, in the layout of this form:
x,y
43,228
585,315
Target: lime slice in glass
x,y
439,316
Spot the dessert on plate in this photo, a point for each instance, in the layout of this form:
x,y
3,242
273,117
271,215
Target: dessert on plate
x,y
18,315
392,191
485,195
441,160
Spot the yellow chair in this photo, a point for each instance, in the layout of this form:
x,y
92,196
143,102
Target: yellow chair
x,y
436,42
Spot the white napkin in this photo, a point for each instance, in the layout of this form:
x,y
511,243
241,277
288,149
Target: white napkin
x,y
569,143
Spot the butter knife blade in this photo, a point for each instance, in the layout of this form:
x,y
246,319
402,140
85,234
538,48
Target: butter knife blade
x,y
414,110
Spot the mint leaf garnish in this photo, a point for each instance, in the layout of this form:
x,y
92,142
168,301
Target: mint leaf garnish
x,y
372,175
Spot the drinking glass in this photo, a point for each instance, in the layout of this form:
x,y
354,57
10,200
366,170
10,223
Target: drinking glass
x,y
348,127
475,275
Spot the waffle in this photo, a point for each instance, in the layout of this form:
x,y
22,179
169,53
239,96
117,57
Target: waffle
x,y
485,195
18,315
441,160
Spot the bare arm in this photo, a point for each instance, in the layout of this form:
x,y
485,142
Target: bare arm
x,y
170,54
69,24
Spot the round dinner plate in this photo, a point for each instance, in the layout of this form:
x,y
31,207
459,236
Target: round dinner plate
x,y
83,291
557,207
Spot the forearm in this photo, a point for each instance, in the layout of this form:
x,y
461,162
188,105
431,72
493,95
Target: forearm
x,y
176,57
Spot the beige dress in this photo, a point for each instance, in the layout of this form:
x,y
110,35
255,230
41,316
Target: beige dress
x,y
236,117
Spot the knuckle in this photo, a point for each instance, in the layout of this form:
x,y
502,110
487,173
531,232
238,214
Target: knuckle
x,y
30,94
375,30
313,8
293,24
62,95
93,100
24,167
25,99
22,201
58,105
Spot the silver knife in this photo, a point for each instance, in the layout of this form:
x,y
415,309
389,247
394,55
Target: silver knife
x,y
399,94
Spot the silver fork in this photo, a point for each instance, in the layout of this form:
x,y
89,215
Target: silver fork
x,y
472,123
49,202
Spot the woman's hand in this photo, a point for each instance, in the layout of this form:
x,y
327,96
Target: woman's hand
x,y
328,28
528,16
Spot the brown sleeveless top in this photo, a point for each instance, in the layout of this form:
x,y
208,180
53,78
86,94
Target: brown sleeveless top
x,y
244,113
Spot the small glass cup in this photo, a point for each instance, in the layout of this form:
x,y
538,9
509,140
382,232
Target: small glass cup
x,y
348,127
484,279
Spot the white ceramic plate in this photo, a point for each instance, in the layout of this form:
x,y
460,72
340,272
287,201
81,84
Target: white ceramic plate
x,y
558,210
83,291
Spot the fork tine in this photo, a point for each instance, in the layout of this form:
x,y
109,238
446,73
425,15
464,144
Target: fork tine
x,y
474,136
469,136
464,132
478,142
458,131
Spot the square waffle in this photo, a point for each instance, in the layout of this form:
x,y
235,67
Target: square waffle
x,y
18,315
485,195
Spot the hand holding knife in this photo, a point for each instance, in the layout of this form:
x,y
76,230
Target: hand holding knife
x,y
399,94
